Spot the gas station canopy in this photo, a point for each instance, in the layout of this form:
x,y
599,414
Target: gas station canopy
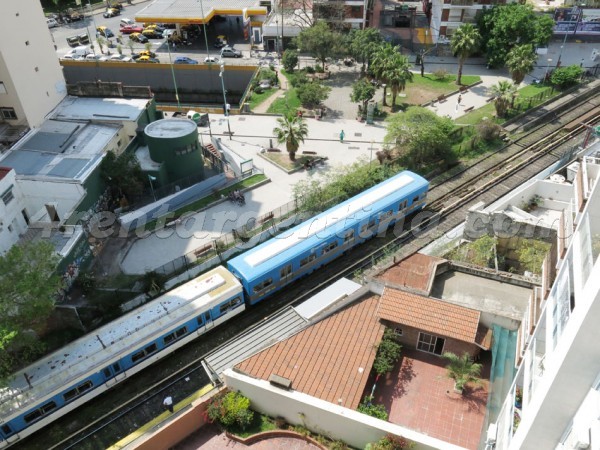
x,y
198,11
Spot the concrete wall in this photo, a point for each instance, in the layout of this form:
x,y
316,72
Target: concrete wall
x,y
64,196
195,83
322,417
12,222
28,65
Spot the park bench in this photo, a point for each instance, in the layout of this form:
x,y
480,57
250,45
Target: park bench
x,y
491,99
266,218
202,250
274,150
441,98
470,108
463,89
308,152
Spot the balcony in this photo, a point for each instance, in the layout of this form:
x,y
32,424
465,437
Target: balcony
x,y
462,2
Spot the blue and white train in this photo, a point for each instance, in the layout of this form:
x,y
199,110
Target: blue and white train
x,y
62,381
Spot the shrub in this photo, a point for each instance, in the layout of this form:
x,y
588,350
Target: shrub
x,y
373,410
258,90
388,352
280,422
289,59
319,68
338,445
231,410
488,130
86,282
564,77
310,69
440,74
312,94
391,442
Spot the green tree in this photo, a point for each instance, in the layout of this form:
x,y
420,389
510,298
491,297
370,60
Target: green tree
x,y
382,62
462,369
397,74
292,131
504,93
362,92
371,409
320,41
563,77
231,410
465,41
29,286
123,174
531,255
505,26
520,61
101,42
363,44
290,59
312,94
388,353
421,136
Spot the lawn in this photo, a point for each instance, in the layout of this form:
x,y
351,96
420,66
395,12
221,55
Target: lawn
x,y
288,104
257,99
427,88
283,159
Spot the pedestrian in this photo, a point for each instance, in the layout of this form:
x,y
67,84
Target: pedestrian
x,y
168,403
342,134
459,98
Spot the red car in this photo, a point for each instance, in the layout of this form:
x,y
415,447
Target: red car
x,y
128,29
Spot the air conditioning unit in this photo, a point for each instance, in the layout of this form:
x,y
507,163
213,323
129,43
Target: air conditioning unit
x,y
581,440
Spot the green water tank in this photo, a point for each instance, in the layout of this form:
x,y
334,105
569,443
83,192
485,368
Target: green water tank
x,y
174,142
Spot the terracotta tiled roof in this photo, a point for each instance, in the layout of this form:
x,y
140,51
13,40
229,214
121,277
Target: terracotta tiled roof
x,y
414,272
430,315
325,360
4,171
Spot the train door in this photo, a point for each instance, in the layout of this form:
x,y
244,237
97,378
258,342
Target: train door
x,y
113,374
8,434
205,322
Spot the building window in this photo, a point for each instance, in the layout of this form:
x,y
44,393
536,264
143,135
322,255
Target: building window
x,y
430,344
398,331
8,196
3,88
8,113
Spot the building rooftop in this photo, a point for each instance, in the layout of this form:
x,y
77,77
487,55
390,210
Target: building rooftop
x,y
415,272
4,171
428,314
60,150
170,128
191,11
99,109
330,360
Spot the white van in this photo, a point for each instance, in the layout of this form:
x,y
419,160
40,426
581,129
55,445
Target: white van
x,y
78,52
125,21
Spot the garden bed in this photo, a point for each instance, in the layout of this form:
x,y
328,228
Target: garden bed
x,y
283,161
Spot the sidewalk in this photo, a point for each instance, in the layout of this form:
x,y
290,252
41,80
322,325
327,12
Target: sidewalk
x,y
279,93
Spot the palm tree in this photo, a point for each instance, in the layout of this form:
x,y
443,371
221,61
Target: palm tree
x,y
465,41
462,369
292,130
397,75
520,61
504,93
382,62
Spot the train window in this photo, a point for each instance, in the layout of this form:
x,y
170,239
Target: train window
x,y
330,247
116,367
106,372
349,235
262,286
6,429
386,215
42,411
310,258
403,204
287,270
177,334
76,392
230,304
416,199
143,353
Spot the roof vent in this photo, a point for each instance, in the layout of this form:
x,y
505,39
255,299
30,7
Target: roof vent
x,y
280,382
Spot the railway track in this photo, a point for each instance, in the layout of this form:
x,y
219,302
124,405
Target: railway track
x,y
113,418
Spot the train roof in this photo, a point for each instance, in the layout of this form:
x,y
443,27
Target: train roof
x,y
106,344
282,248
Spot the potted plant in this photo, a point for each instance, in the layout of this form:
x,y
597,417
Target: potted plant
x,y
518,398
462,369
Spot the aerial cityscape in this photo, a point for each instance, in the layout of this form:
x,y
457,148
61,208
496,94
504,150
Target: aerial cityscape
x,y
299,224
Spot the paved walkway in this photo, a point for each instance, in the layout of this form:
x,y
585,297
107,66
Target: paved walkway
x,y
283,87
253,132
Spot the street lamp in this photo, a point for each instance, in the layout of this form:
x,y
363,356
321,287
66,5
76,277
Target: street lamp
x,y
547,69
225,108
173,73
151,178
371,157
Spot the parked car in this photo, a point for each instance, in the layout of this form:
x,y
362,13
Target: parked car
x,y
105,32
230,52
92,57
212,60
128,29
221,41
125,21
264,84
78,52
147,53
152,34
116,5
120,58
52,23
147,59
73,41
111,12
184,60
153,26
84,39
138,37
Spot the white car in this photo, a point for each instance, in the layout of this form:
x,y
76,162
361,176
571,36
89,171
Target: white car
x,y
265,84
212,60
52,23
93,57
120,58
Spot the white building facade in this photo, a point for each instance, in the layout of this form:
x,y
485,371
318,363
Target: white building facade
x,y
555,400
14,216
31,79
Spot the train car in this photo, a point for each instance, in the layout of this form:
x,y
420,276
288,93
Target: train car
x,y
299,251
62,381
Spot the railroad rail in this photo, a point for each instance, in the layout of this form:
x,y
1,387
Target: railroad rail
x,y
450,198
